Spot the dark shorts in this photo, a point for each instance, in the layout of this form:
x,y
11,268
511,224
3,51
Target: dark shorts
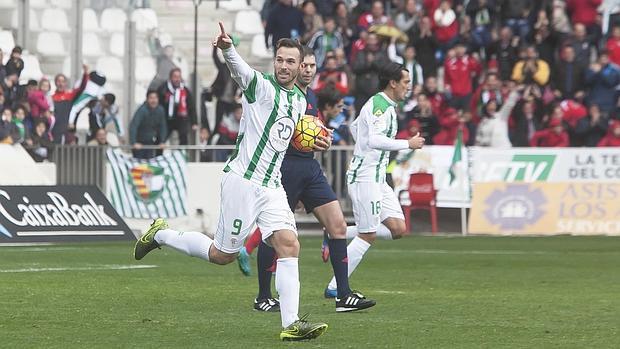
x,y
303,180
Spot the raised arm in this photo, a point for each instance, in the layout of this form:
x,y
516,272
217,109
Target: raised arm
x,y
240,71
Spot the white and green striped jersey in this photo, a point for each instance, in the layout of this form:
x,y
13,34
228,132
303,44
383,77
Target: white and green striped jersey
x,y
374,131
270,113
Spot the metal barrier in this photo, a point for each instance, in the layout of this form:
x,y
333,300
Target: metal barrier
x,y
82,164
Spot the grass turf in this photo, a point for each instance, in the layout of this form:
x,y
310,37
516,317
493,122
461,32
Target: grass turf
x,y
432,292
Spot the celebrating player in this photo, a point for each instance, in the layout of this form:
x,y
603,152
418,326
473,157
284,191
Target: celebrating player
x,y
303,180
251,187
375,206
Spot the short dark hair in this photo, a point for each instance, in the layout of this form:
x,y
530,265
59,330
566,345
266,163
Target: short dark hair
x,y
110,98
32,82
388,72
173,70
18,107
306,51
17,49
148,93
328,96
287,42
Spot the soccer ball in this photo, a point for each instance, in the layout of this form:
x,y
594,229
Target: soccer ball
x,y
306,131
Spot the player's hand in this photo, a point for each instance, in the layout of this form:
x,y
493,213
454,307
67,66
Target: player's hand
x,y
323,143
223,41
416,142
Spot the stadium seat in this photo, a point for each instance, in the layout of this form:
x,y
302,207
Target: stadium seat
x,y
34,20
422,195
54,19
145,19
39,4
111,67
7,42
235,5
258,47
117,44
32,68
113,20
8,4
90,21
65,4
90,45
145,69
140,93
51,44
248,22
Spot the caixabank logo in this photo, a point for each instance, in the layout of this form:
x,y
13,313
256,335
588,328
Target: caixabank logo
x,y
57,213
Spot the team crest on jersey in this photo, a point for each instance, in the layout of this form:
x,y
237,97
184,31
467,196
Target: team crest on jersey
x,y
148,181
378,112
280,134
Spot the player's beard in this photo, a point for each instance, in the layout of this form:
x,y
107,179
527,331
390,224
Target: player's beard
x,y
292,76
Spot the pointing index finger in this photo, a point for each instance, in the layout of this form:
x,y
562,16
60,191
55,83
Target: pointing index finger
x,y
223,32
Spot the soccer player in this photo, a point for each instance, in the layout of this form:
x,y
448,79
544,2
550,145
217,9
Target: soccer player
x,y
376,209
251,187
303,180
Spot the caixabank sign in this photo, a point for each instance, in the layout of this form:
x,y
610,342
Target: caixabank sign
x,y
58,213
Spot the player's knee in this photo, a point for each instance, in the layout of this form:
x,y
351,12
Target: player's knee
x,y
285,244
399,230
221,258
368,237
338,230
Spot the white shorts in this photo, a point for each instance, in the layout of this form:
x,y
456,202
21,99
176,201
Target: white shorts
x,y
372,204
243,204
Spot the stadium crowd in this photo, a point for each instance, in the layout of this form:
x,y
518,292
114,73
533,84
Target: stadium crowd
x,y
503,72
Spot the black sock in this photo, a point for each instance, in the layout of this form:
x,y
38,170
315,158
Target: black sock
x,y
264,261
340,263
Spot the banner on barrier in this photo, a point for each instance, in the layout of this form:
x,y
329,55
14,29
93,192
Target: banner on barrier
x,y
545,164
539,208
150,188
58,213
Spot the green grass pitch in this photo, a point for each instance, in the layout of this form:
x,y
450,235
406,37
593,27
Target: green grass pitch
x,y
432,292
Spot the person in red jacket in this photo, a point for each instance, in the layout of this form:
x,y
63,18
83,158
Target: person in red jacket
x,y
553,136
612,139
413,127
374,17
489,90
460,71
36,99
585,12
451,122
437,99
613,45
445,24
63,102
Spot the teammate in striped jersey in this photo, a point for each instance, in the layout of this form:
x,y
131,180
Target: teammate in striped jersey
x,y
251,191
375,206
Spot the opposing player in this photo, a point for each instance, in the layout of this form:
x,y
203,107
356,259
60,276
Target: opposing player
x,y
303,180
251,187
375,206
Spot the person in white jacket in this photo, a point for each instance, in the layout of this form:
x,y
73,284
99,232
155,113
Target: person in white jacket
x,y
493,128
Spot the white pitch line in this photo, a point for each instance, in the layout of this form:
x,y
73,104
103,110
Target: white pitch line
x,y
480,252
388,292
98,267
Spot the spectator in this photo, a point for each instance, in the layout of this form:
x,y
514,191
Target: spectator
x,y
331,104
105,115
493,128
312,21
365,68
423,113
553,136
23,125
559,19
409,61
446,25
9,87
437,99
460,71
505,52
36,100
591,129
15,64
203,141
425,44
531,69
333,75
63,102
583,47
481,13
39,144
451,123
612,138
585,12
178,103
228,130
9,127
164,56
489,90
345,23
374,17
46,88
602,78
224,88
613,46
100,138
325,40
2,67
515,14
284,21
148,127
408,20
412,129
568,76
527,120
